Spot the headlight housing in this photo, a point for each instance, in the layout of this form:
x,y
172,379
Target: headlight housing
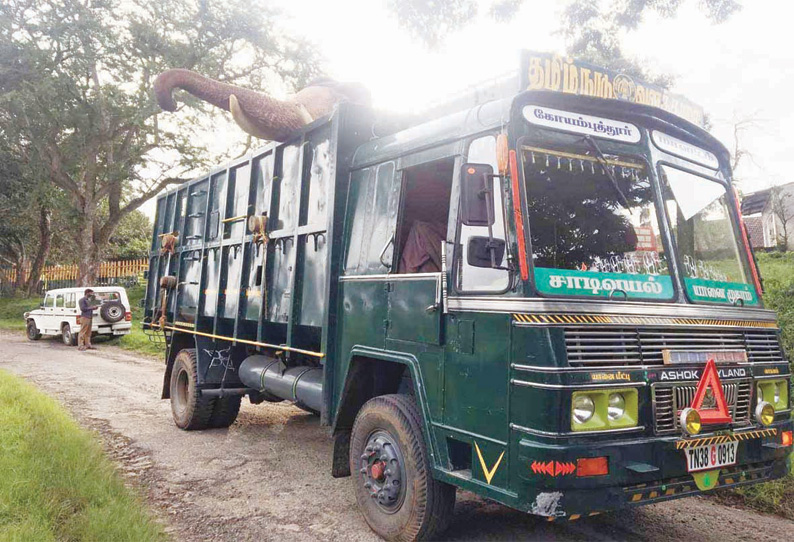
x,y
602,410
583,409
774,392
616,406
764,413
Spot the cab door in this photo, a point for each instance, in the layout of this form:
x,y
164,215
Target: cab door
x,y
60,309
47,315
414,287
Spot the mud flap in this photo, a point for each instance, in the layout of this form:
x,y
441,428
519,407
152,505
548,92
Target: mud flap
x,y
341,458
218,362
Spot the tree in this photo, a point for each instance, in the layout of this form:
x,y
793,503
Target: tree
x,y
592,29
75,98
26,230
781,203
132,238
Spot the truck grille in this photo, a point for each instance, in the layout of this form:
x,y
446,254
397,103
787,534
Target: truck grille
x,y
591,346
670,400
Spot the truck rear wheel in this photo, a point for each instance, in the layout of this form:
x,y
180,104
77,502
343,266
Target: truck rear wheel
x,y
389,461
225,411
190,409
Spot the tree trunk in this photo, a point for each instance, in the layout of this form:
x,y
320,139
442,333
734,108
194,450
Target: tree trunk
x,y
22,266
45,240
88,255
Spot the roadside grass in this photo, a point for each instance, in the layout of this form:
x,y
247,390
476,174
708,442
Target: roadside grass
x,y
56,483
777,269
12,309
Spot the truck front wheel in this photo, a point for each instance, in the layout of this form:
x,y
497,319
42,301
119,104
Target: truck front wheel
x,y
395,490
191,410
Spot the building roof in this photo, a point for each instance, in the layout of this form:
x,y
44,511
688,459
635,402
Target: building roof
x,y
755,229
755,203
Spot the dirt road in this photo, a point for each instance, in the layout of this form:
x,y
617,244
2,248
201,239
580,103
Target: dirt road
x,y
267,477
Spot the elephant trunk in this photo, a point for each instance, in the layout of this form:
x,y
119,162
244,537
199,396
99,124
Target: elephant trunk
x,y
256,113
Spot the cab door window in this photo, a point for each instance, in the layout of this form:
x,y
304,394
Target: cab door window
x,y
373,202
424,217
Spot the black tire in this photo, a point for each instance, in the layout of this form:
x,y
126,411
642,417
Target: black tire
x,y
112,312
391,425
191,410
32,331
68,338
225,411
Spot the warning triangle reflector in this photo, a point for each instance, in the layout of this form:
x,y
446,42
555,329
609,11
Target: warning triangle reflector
x,y
711,380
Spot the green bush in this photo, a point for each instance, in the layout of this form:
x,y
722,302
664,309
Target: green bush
x,y
777,270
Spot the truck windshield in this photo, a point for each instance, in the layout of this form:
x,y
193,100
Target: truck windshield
x,y
712,265
594,225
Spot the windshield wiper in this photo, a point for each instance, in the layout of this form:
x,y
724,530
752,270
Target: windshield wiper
x,y
603,161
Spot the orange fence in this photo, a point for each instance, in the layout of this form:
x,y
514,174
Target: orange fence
x,y
56,276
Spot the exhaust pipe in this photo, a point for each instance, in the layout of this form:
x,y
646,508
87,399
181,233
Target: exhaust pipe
x,y
302,384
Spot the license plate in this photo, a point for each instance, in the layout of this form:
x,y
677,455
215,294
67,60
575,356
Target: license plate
x,y
711,456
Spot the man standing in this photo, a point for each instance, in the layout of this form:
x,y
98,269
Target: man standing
x,y
86,318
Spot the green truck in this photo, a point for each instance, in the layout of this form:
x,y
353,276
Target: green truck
x,y
541,292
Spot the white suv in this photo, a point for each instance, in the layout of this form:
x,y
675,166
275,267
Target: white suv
x,y
59,314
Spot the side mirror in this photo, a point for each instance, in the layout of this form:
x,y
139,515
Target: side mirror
x,y
146,274
484,252
142,303
476,189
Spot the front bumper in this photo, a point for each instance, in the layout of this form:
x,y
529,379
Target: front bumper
x,y
641,471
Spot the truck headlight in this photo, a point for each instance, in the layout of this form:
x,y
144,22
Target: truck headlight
x,y
764,413
583,409
602,410
616,406
690,421
774,392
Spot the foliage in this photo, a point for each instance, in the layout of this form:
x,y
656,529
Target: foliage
x,y
592,29
137,340
131,239
781,204
777,270
76,107
12,309
56,483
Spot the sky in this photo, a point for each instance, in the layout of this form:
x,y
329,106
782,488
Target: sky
x,y
737,71
741,69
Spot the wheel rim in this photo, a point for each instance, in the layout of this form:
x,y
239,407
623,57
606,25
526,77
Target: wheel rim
x,y
67,336
31,330
181,394
114,312
382,471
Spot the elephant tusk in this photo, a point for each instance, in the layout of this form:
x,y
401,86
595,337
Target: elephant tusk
x,y
243,121
251,127
304,113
